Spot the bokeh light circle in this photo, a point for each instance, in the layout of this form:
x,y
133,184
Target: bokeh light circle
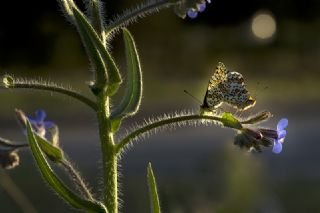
x,y
263,25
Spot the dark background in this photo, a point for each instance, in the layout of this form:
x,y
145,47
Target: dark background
x,y
198,169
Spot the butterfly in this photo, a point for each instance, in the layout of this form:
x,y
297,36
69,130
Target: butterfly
x,y
226,86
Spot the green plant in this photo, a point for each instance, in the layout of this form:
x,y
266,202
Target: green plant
x,y
43,136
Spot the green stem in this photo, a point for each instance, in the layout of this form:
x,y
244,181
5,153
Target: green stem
x,y
54,88
137,12
109,155
124,142
77,180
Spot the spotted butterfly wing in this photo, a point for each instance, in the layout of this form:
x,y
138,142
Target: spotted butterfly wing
x,y
226,86
237,95
214,94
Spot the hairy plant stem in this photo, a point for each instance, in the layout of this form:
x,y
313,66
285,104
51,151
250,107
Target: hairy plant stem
x,y
109,155
77,180
124,19
124,142
57,89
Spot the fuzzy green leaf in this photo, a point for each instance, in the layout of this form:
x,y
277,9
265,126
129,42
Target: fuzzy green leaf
x,y
95,12
130,103
115,125
53,153
92,52
114,78
229,121
155,204
54,181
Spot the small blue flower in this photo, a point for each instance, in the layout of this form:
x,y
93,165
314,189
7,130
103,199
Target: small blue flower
x,y
39,125
193,12
202,7
281,132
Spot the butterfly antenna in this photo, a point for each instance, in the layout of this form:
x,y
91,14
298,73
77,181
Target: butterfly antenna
x,y
188,93
260,91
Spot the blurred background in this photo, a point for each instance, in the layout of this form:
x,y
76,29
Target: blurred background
x,y
274,44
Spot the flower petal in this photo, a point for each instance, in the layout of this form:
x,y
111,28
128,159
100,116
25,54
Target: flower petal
x,y
209,1
201,7
282,124
277,147
40,115
32,120
192,13
282,134
48,124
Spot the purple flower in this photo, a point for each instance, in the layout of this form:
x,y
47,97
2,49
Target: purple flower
x,y
38,124
255,138
193,12
202,7
276,136
277,145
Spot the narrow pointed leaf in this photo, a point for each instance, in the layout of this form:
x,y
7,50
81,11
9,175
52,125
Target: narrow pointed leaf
x,y
92,52
130,103
55,182
114,80
95,12
95,59
53,153
229,121
155,204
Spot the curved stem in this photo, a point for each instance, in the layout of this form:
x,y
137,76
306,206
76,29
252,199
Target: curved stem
x,y
10,144
54,88
124,142
126,17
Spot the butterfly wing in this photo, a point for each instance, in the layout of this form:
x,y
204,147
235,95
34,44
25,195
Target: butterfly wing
x,y
214,95
237,95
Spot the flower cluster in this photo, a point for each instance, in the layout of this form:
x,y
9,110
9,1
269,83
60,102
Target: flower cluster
x,y
191,8
9,157
255,138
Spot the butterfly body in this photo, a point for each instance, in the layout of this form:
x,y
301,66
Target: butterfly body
x,y
227,86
